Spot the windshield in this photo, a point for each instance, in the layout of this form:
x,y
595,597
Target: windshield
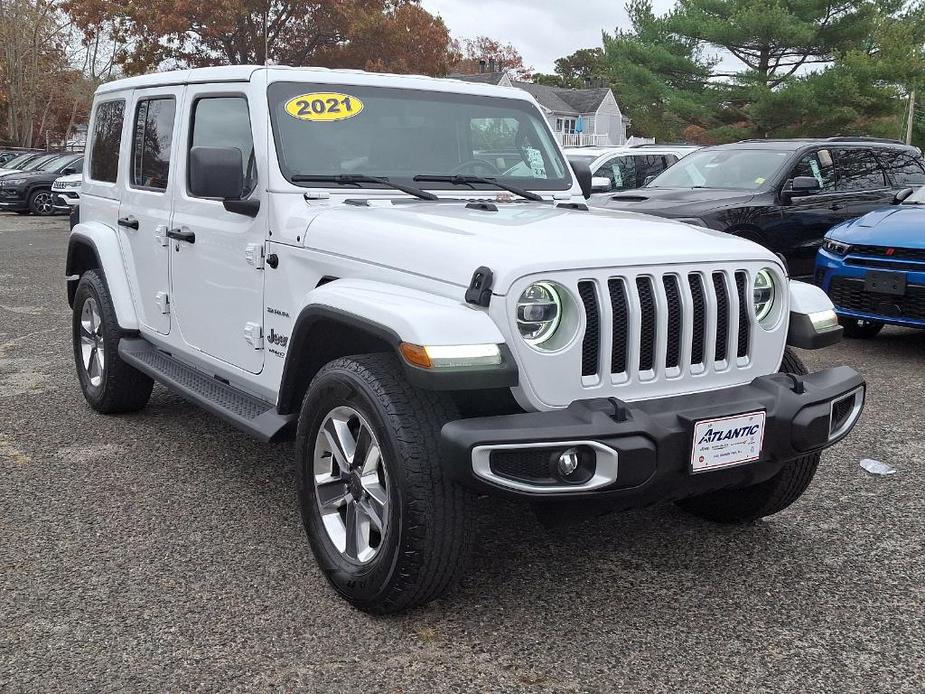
x,y
917,198
738,169
18,161
325,130
39,164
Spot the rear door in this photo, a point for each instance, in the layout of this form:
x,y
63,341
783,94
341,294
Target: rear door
x,y
862,184
144,215
217,279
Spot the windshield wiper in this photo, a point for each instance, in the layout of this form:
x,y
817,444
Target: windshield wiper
x,y
466,180
357,179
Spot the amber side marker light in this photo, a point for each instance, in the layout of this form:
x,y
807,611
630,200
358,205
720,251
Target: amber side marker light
x,y
450,356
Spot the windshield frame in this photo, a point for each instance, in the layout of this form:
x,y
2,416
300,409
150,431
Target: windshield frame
x,y
277,94
771,181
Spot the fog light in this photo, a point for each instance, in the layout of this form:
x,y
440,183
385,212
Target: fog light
x,y
568,462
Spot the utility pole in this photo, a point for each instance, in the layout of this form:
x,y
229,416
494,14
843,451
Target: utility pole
x,y
910,117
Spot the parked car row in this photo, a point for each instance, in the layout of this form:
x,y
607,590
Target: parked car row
x,y
26,182
841,210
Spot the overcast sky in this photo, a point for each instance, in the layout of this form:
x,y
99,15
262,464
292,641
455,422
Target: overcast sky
x,y
542,30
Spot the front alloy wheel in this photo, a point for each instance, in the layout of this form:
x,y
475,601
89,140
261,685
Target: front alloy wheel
x,y
351,484
42,203
92,346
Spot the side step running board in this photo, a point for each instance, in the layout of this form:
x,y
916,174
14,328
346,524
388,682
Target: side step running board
x,y
246,412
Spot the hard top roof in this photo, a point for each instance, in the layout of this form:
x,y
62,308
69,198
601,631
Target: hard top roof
x,y
317,75
797,143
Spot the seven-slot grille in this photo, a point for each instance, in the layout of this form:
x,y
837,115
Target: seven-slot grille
x,y
684,321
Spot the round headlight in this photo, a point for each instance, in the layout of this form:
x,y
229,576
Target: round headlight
x,y
764,293
539,312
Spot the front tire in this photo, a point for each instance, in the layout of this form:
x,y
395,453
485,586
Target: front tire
x,y
109,384
766,498
861,329
42,203
386,525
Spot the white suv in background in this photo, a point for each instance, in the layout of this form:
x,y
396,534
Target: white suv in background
x,y
66,192
625,168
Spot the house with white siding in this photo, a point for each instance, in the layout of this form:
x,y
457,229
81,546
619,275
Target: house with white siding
x,y
593,111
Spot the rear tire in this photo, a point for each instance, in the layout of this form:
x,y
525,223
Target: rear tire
x,y
411,525
766,498
109,384
860,329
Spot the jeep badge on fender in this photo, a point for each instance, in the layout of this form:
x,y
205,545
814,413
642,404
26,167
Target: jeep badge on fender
x,y
400,274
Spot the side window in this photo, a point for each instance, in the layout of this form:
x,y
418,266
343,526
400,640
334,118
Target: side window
x,y
151,143
650,165
621,171
903,168
224,121
107,136
858,169
820,166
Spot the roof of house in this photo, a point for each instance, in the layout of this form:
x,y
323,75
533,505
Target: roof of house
x,y
566,100
481,78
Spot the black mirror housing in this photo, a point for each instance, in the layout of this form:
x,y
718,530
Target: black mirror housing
x,y
68,171
805,185
216,172
583,175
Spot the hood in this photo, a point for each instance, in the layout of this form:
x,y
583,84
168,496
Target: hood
x,y
447,241
675,200
7,172
897,225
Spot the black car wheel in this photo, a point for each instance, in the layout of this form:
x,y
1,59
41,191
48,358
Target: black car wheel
x,y
42,203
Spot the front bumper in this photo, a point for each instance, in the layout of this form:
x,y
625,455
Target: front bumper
x,y
13,199
644,447
907,311
64,201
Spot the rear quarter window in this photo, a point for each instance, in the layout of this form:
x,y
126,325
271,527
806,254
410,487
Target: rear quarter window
x,y
107,138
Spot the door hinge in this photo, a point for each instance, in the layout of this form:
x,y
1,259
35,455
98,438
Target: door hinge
x,y
160,234
253,253
253,334
162,301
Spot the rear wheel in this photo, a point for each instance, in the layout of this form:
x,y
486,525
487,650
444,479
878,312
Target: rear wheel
x,y
860,328
386,525
42,203
108,383
768,497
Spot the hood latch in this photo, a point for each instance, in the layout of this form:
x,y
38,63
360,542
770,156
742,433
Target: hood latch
x,y
479,291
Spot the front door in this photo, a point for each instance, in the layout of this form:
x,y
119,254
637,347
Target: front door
x,y
144,213
217,278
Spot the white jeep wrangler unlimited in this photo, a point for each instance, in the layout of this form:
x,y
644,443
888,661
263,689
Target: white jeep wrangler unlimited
x,y
400,273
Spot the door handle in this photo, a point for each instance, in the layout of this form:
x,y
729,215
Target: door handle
x,y
128,222
181,235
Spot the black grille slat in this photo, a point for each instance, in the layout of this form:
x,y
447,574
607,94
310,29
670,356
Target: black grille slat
x,y
620,326
885,252
673,297
647,323
744,327
849,294
699,318
722,316
591,343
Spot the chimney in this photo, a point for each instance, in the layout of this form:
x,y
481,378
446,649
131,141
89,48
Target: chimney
x,y
481,66
491,64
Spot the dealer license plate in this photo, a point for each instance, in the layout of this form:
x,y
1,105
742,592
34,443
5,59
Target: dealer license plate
x,y
727,441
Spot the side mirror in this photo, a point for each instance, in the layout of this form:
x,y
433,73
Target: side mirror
x,y
216,172
68,171
901,195
600,184
583,175
648,180
804,185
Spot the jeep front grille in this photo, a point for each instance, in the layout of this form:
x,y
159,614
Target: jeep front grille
x,y
692,321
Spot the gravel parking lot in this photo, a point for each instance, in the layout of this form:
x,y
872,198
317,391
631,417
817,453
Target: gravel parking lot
x,y
164,551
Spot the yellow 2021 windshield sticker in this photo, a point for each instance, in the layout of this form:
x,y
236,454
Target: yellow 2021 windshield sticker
x,y
324,107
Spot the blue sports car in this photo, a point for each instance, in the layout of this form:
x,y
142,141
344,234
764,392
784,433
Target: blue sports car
x,y
873,267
